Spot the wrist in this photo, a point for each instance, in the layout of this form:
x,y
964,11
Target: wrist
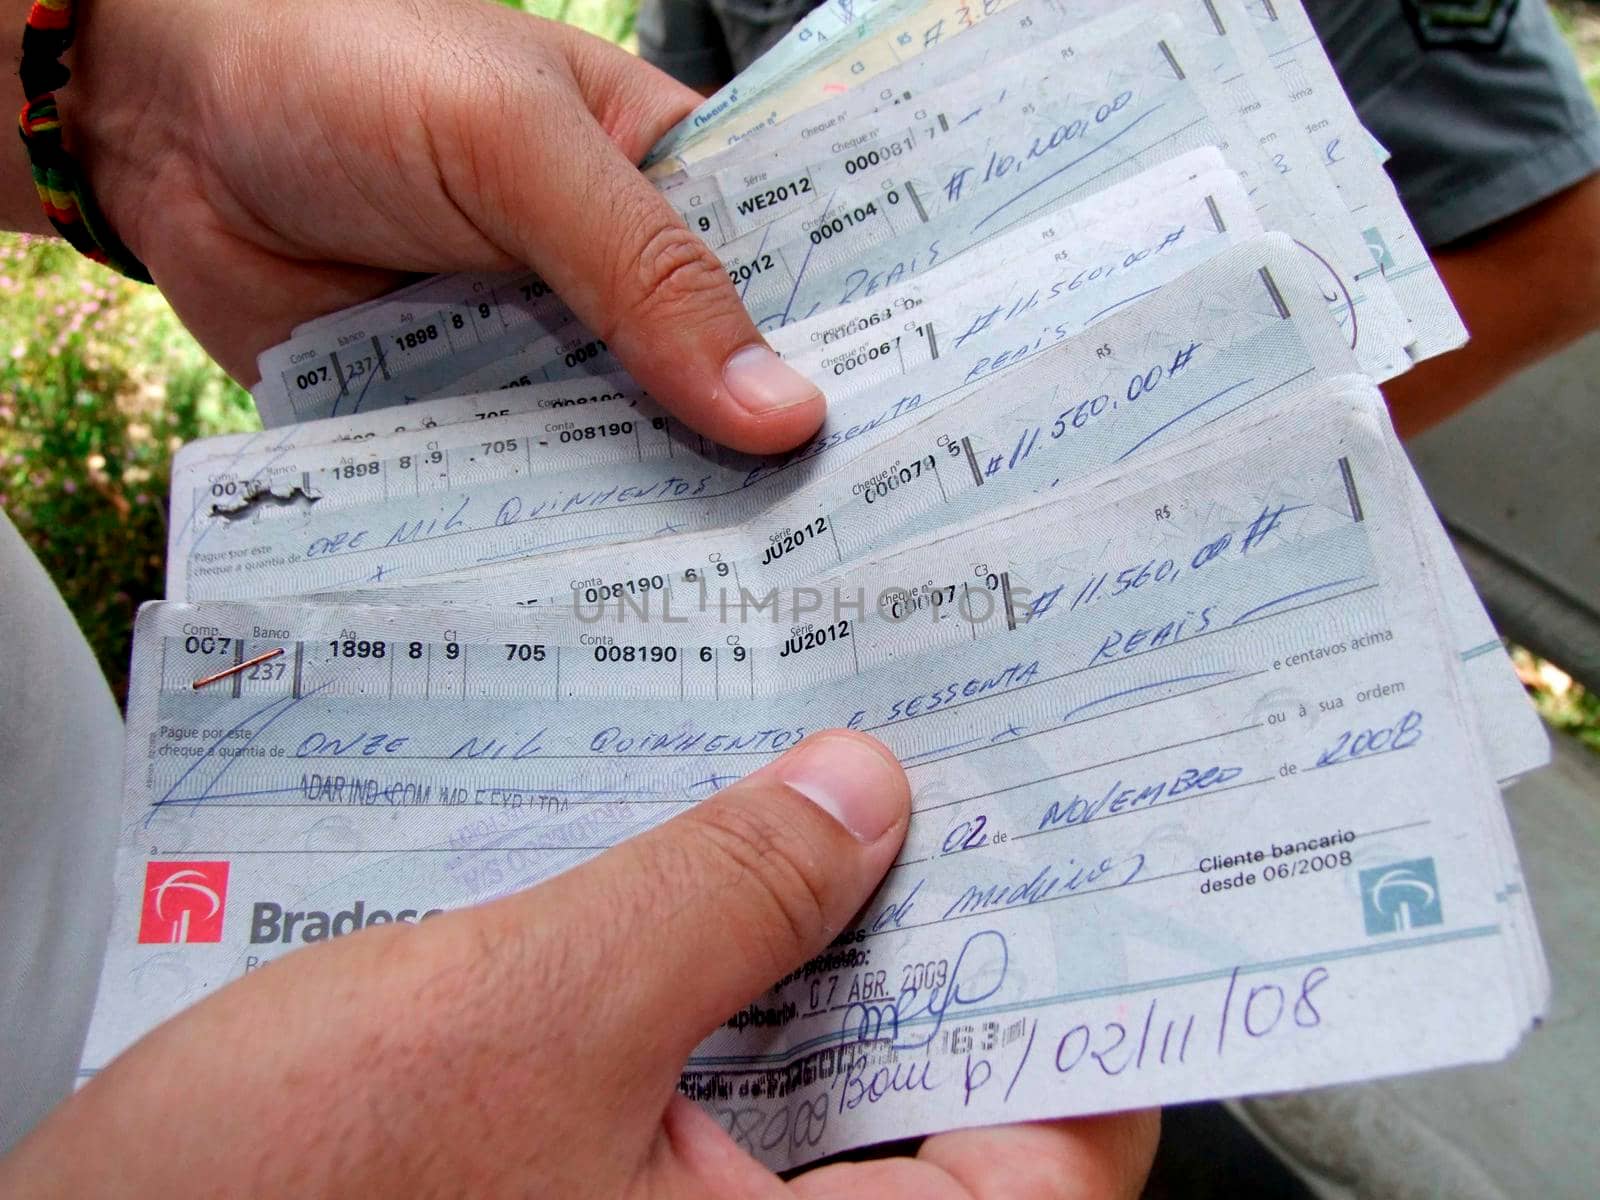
x,y
113,113
19,201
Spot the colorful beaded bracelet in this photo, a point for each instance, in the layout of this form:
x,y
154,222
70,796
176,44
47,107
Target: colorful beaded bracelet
x,y
62,189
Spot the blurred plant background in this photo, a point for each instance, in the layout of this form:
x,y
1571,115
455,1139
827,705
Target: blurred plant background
x,y
99,384
610,19
1580,21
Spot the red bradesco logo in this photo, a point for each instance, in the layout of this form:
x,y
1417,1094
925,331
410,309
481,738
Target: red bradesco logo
x,y
183,902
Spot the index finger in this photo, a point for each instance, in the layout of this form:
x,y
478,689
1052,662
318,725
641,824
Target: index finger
x,y
557,192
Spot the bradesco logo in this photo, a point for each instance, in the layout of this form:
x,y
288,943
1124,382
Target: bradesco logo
x,y
183,902
271,922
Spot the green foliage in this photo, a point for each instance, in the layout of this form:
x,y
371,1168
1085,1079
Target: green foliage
x,y
610,19
99,384
1579,21
1561,700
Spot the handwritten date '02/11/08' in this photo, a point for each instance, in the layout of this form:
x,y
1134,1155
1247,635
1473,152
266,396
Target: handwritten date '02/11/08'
x,y
931,1036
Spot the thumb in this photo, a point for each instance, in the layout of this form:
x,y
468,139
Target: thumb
x,y
710,909
565,199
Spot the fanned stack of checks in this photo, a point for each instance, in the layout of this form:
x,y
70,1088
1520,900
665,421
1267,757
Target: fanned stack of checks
x,y
1107,535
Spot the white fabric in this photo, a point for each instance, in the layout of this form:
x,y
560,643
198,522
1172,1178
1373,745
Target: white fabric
x,y
60,787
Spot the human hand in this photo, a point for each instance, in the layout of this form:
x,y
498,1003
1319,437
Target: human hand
x,y
273,162
530,1046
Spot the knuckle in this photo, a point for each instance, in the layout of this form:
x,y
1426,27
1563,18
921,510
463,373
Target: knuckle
x,y
670,273
779,875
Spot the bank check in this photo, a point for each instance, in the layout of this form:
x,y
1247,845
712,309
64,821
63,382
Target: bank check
x,y
1349,155
388,356
1026,442
358,527
1203,816
1061,274
1130,211
1113,230
1321,108
1019,442
1514,736
980,306
1161,87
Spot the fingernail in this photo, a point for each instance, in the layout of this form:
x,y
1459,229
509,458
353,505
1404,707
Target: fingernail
x,y
850,781
762,383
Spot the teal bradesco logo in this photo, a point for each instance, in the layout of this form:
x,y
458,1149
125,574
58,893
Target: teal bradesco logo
x,y
1401,896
